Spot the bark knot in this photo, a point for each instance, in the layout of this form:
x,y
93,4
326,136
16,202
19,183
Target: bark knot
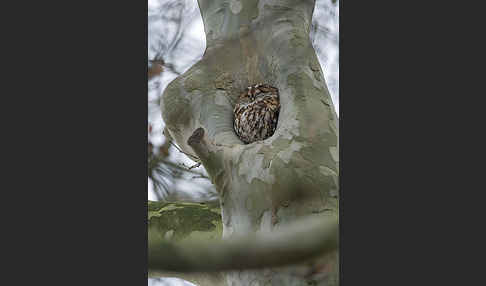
x,y
196,136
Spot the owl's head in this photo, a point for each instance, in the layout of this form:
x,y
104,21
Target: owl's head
x,y
250,94
247,96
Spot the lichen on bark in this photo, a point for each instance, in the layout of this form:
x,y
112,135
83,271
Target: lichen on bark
x,y
180,221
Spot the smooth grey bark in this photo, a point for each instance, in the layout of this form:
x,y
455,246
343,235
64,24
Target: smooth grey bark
x,y
265,185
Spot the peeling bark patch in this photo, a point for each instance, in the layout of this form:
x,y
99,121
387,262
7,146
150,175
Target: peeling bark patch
x,y
334,121
266,222
318,151
235,6
274,216
313,65
326,171
254,10
168,235
218,180
267,156
286,154
315,69
288,126
334,189
251,167
220,99
334,153
177,221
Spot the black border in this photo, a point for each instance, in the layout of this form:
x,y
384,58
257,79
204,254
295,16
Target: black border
x,y
401,160
82,185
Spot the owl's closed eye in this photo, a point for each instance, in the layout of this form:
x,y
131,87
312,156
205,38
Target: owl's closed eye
x,y
256,113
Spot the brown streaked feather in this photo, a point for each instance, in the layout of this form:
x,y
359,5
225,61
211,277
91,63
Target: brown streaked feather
x,y
256,113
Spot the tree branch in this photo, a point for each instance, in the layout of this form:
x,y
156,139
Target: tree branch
x,y
209,154
298,242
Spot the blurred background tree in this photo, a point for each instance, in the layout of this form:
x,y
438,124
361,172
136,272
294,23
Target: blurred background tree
x,y
174,44
176,41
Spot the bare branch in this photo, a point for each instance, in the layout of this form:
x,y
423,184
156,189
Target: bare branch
x,y
300,241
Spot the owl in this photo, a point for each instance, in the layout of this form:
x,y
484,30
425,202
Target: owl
x,y
256,113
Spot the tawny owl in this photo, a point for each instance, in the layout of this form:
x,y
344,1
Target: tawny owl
x,y
256,113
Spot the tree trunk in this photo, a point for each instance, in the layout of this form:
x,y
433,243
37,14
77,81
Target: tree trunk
x,y
265,185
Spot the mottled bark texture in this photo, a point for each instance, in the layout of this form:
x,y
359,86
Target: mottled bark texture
x,y
264,185
180,222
